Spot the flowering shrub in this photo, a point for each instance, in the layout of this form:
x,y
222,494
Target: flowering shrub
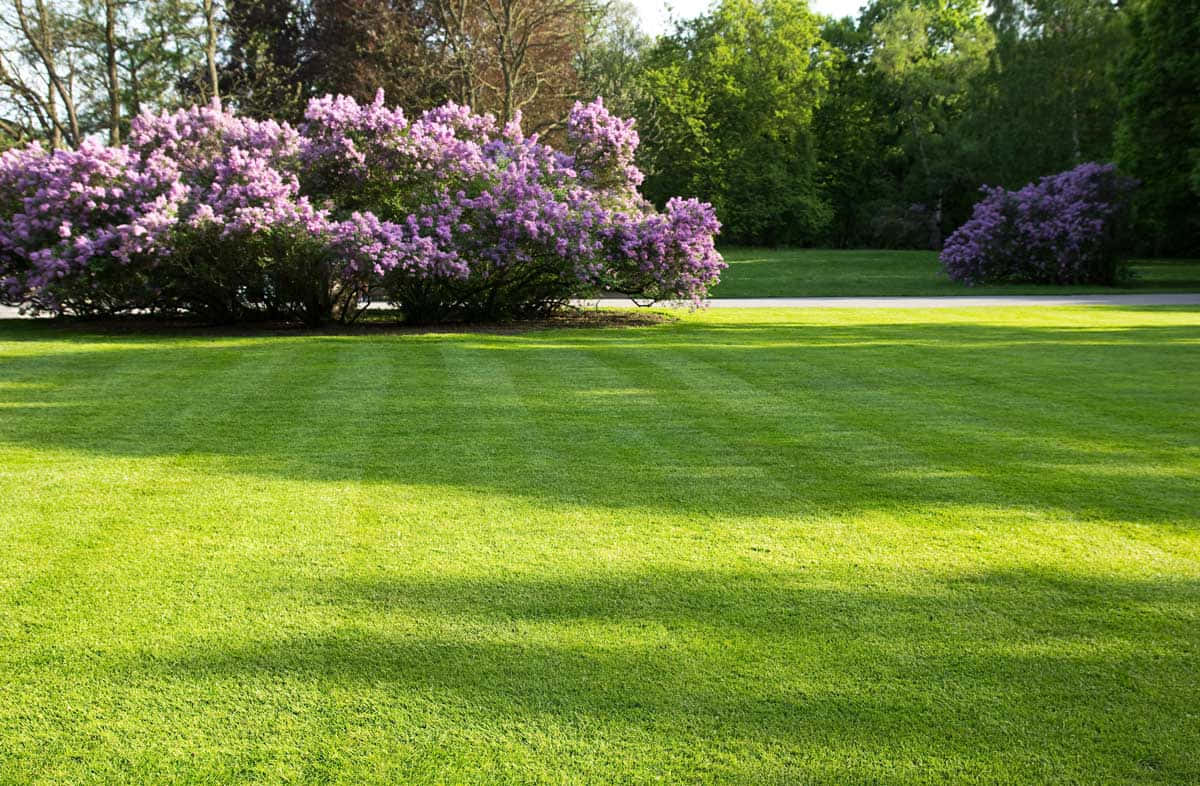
x,y
1060,230
237,237
69,223
448,215
465,218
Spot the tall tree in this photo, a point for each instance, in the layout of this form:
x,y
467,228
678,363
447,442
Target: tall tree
x,y
509,56
728,117
356,47
929,51
264,67
37,70
611,61
113,83
133,56
163,50
1158,138
861,163
1049,98
210,48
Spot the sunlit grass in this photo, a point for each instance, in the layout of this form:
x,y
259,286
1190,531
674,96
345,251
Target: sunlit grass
x,y
793,272
751,546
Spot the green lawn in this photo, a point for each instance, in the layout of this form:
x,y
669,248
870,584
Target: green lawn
x,y
807,272
748,547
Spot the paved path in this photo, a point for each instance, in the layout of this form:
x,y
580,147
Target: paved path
x,y
953,301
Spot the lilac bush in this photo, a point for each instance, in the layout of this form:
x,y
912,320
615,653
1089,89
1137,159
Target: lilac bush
x,y
484,222
447,215
70,222
1059,230
239,238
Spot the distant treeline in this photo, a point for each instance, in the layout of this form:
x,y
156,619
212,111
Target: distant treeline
x,y
871,131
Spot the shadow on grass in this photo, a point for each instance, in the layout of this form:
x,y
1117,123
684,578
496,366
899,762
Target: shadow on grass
x,y
1024,662
755,419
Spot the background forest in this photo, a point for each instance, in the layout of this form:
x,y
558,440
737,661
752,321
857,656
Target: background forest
x,y
873,131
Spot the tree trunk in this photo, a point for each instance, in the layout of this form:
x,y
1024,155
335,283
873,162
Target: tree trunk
x,y
56,139
135,89
210,48
506,65
110,59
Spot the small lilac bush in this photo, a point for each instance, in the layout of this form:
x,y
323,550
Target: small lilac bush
x,y
447,215
1060,230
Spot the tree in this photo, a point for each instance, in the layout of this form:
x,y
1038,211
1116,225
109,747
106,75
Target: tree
x,y
38,71
210,48
110,62
75,68
355,47
499,56
860,160
612,59
509,56
133,56
929,51
1158,139
263,71
161,51
1048,100
728,118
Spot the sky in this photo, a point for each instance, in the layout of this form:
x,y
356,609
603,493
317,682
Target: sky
x,y
656,18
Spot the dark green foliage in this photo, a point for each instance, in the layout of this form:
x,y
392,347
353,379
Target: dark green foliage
x,y
1159,135
265,58
280,53
728,114
906,111
356,47
891,158
1045,103
1049,101
859,161
273,275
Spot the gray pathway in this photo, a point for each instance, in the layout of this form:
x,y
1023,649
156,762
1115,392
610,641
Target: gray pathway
x,y
955,301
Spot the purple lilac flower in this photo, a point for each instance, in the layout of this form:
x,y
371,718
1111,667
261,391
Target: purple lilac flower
x,y
1060,230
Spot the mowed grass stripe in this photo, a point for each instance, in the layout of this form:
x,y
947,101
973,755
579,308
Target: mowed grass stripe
x,y
239,600
952,407
107,407
780,415
626,417
96,590
759,643
508,448
145,506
